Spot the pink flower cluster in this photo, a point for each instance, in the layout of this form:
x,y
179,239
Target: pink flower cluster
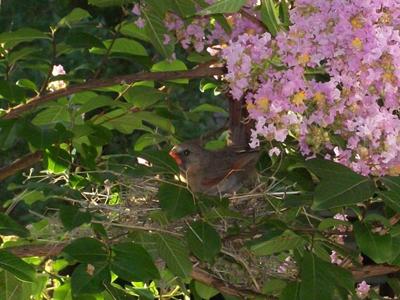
x,y
331,81
353,116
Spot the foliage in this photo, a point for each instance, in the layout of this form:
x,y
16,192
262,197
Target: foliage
x,y
98,212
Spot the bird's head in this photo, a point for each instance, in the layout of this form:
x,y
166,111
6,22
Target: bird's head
x,y
187,154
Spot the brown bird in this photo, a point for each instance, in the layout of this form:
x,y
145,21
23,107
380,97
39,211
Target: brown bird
x,y
214,172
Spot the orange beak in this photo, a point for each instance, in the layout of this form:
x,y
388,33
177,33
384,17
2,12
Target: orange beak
x,y
175,156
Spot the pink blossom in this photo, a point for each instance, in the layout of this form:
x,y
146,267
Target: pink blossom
x,y
136,9
362,290
274,151
335,259
140,23
167,39
58,70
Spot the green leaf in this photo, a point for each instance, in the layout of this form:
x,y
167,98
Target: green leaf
x,y
21,35
78,39
89,279
120,120
132,262
78,250
274,285
205,291
184,8
12,288
284,14
269,16
156,120
288,240
96,102
222,7
13,264
203,240
329,223
148,139
339,185
132,30
175,65
28,84
379,248
63,292
319,278
118,293
175,254
54,114
161,161
206,107
11,92
107,3
9,227
75,16
291,292
391,196
122,45
143,96
176,201
72,217
21,54
56,160
8,133
155,31
199,58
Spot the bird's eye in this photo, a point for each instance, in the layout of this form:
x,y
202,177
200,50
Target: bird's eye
x,y
186,152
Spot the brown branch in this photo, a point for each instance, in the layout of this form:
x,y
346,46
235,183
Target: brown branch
x,y
373,270
252,18
20,164
37,250
225,288
199,72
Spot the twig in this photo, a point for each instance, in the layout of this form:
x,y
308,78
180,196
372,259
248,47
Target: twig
x,y
107,54
373,270
52,62
136,227
222,286
244,265
20,164
199,72
252,18
394,220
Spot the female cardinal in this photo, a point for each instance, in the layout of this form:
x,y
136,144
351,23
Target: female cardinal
x,y
214,172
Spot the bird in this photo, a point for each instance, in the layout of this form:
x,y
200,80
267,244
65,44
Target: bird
x,y
217,172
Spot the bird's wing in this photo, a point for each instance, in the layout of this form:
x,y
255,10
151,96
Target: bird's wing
x,y
231,164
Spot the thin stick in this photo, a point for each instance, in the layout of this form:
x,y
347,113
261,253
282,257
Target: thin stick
x,y
199,72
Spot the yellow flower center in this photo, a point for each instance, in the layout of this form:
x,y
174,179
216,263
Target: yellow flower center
x,y
303,58
250,106
263,103
357,43
319,98
357,22
298,98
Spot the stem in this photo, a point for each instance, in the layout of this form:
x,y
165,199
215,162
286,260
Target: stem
x,y
199,72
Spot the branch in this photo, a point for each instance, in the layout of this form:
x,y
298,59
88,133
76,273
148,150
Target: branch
x,y
225,288
373,270
199,72
20,164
